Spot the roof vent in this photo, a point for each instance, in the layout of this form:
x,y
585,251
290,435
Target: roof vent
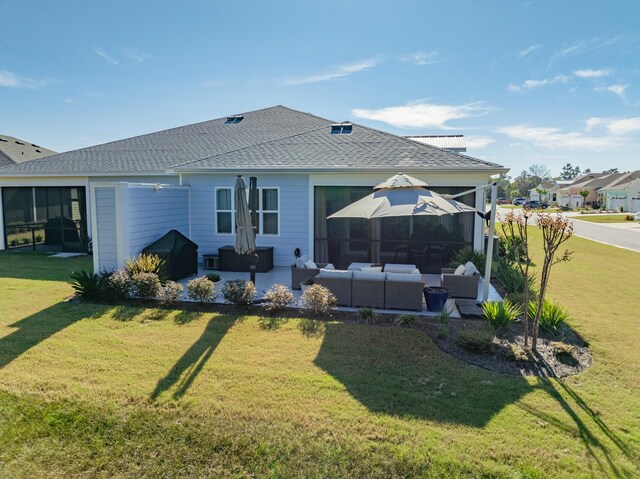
x,y
343,128
2,139
19,142
234,119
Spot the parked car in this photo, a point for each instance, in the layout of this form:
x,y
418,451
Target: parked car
x,y
518,201
535,204
503,201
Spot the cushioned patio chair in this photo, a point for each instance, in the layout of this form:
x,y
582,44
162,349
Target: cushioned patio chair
x,y
403,293
367,289
298,275
460,285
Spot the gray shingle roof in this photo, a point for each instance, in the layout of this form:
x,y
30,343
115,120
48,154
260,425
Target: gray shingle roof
x,y
14,150
272,138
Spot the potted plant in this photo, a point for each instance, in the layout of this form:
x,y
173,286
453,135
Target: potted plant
x,y
306,283
435,297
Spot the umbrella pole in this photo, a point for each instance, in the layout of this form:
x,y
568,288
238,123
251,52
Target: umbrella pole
x,y
492,230
253,206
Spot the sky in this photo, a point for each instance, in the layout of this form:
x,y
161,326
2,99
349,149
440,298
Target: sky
x,y
526,82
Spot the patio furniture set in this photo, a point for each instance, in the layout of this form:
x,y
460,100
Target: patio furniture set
x,y
392,286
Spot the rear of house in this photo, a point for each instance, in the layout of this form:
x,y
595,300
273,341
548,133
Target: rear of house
x,y
121,196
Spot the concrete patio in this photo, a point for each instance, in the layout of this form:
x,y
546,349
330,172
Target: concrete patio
x,y
282,275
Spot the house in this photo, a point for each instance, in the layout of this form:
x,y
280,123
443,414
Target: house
x,y
591,183
125,194
14,150
623,193
546,191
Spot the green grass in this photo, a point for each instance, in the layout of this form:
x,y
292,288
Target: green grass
x,y
100,391
599,218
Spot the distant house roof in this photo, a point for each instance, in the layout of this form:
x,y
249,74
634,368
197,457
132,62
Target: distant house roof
x,y
14,150
623,181
275,138
595,181
447,142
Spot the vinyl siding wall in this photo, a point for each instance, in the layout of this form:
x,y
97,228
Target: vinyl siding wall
x,y
152,213
293,213
106,227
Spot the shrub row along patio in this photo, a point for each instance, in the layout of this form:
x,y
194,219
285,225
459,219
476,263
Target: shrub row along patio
x,y
131,392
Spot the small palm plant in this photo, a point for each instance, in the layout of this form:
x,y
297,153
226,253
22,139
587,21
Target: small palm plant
x,y
500,314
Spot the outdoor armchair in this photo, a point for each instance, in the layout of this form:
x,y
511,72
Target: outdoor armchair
x,y
459,285
298,275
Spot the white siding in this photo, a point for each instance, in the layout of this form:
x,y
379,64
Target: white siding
x,y
293,214
106,227
152,213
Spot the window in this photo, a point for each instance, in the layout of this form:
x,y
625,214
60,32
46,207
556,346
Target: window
x,y
224,211
268,211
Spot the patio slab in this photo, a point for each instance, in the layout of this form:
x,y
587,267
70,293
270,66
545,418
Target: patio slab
x,y
282,275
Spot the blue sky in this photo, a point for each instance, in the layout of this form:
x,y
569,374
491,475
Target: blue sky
x,y
543,82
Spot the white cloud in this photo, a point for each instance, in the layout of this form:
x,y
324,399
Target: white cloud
x,y
589,73
615,89
105,56
556,139
337,72
421,58
10,80
478,142
422,115
619,44
527,51
615,126
139,56
529,85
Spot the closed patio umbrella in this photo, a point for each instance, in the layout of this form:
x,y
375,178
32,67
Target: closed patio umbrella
x,y
245,235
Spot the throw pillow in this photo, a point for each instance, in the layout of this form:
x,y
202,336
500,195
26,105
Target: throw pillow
x,y
460,270
470,269
301,261
311,265
329,266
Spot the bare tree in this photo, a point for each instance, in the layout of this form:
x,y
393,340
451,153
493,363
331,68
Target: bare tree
x,y
514,228
555,231
540,172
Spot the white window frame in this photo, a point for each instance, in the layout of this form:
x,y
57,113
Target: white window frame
x,y
232,211
261,211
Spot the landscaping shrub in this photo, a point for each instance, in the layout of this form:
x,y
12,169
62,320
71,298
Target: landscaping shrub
x,y
145,285
26,241
476,340
213,277
552,315
443,323
500,314
239,292
468,254
38,238
368,315
201,289
512,278
86,285
170,292
277,298
318,300
116,285
406,320
145,263
515,352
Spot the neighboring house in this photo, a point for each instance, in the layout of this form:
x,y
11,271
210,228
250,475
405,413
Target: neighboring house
x,y
550,188
623,194
126,194
592,183
14,150
446,142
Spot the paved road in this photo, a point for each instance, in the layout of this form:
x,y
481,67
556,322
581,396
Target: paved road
x,y
625,235
628,238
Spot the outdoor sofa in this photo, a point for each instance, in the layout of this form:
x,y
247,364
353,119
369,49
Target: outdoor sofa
x,y
464,284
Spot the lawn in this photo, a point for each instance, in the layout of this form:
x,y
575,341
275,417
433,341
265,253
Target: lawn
x,y
100,391
599,218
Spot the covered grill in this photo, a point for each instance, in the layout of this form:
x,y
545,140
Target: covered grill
x,y
179,253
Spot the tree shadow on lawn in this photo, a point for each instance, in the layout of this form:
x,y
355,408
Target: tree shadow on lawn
x,y
596,448
402,372
38,327
187,368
